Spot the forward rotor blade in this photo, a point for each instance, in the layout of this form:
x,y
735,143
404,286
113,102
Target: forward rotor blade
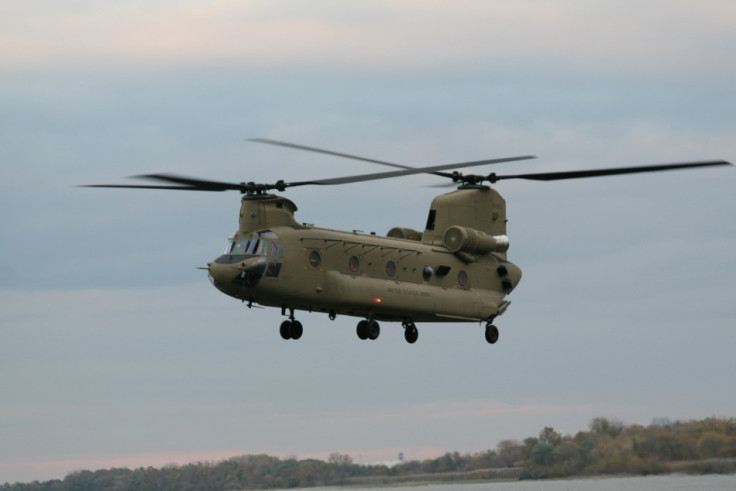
x,y
201,184
326,152
186,184
144,186
297,146
556,176
405,172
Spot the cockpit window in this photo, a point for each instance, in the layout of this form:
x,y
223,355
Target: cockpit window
x,y
275,249
256,245
250,247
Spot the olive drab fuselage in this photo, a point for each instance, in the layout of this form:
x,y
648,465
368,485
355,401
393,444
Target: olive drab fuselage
x,y
455,270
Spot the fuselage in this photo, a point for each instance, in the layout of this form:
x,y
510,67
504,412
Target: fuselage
x,y
281,263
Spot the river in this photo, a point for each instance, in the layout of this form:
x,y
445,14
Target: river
x,y
650,483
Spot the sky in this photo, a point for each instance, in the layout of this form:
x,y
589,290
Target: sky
x,y
116,351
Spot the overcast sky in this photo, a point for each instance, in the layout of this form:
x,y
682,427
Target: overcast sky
x,y
116,351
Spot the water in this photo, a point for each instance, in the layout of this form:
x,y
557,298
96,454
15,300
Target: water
x,y
650,483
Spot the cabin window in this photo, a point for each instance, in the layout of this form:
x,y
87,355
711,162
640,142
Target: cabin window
x,y
462,278
315,259
431,219
391,269
427,273
353,264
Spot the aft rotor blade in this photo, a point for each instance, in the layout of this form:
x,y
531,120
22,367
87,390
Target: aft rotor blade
x,y
556,176
405,172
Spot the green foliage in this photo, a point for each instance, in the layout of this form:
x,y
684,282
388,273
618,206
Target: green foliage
x,y
705,446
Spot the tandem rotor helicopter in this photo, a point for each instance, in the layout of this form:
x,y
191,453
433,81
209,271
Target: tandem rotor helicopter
x,y
456,270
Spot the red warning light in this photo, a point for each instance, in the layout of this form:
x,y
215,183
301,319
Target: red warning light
x,y
377,300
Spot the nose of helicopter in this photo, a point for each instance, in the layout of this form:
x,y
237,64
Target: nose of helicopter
x,y
228,278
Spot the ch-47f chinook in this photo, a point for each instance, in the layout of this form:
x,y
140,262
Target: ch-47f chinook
x,y
456,270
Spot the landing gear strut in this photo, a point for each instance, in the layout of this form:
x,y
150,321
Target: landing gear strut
x,y
368,329
292,328
491,333
411,333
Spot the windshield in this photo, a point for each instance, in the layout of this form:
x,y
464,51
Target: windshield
x,y
259,244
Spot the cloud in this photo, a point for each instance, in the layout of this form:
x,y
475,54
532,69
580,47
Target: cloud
x,y
658,36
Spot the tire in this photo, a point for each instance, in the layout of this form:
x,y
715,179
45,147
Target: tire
x,y
411,334
296,330
491,334
285,330
362,330
374,330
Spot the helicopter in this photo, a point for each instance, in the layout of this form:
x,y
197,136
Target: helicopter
x,y
455,270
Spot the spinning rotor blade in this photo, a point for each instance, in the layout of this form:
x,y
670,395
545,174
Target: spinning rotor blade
x,y
427,170
556,176
187,184
143,186
204,184
195,184
407,172
326,152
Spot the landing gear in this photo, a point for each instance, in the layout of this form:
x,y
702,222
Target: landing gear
x,y
292,328
491,333
368,329
411,333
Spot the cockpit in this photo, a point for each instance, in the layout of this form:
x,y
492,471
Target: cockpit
x,y
264,244
244,262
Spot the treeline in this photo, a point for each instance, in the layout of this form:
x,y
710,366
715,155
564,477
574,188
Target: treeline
x,y
608,447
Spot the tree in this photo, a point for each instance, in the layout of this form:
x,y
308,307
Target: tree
x,y
604,426
510,453
340,459
549,436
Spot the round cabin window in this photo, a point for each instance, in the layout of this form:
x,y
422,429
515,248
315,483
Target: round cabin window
x,y
462,278
315,259
353,264
391,268
427,273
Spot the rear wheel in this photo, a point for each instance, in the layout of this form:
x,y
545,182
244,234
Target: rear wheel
x,y
362,330
296,330
285,330
374,330
491,333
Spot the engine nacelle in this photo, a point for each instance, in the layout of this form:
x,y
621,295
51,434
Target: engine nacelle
x,y
471,241
404,233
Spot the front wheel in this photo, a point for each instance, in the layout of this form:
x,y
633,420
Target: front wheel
x,y
296,330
